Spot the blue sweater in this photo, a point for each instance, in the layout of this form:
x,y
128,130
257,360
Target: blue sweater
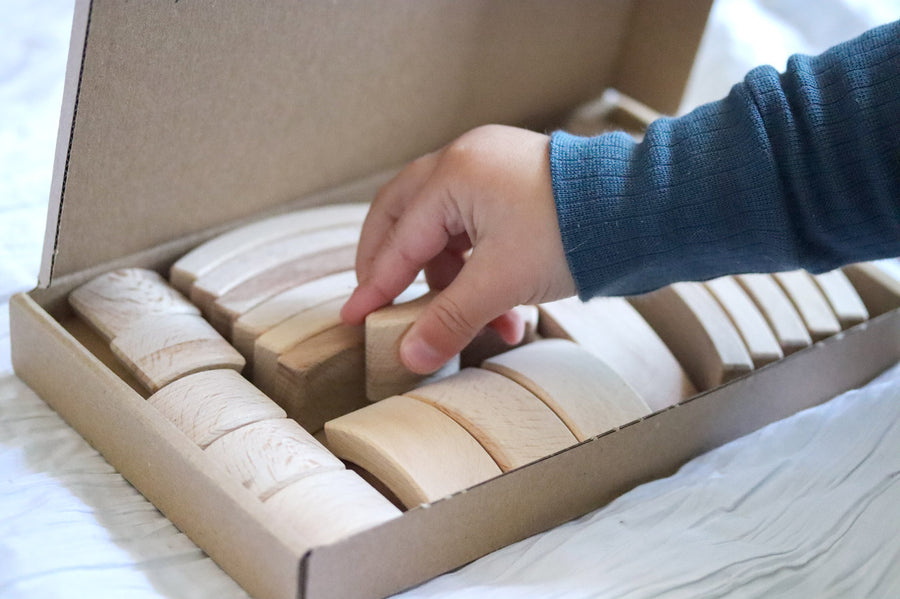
x,y
793,170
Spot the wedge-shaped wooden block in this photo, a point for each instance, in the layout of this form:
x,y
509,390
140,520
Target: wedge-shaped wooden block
x,y
414,449
510,422
878,285
488,343
842,297
690,321
612,330
209,404
747,319
214,252
778,311
269,455
811,305
112,302
328,507
586,394
162,349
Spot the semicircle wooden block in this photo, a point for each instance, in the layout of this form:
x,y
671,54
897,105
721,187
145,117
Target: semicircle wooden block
x,y
328,507
510,422
414,449
842,297
877,284
692,324
747,319
268,455
206,405
812,306
778,311
214,252
611,329
586,394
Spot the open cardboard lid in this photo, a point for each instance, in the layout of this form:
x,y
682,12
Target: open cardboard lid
x,y
181,116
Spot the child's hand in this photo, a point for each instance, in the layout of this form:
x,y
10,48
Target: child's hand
x,y
490,191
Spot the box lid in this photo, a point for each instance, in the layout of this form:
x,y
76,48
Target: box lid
x,y
181,116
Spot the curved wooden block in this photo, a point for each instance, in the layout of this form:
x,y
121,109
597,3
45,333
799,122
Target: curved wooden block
x,y
414,449
206,405
328,507
778,311
842,297
269,455
488,343
877,284
747,319
586,394
214,252
510,422
611,329
112,302
812,306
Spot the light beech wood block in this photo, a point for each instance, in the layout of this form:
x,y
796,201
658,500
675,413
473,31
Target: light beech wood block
x,y
842,297
810,304
162,349
877,285
206,405
612,330
214,252
586,394
488,342
328,507
414,449
747,319
778,311
269,455
690,321
510,422
112,302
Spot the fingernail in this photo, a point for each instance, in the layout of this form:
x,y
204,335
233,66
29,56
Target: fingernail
x,y
419,356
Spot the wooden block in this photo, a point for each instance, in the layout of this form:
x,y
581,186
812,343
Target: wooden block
x,y
414,449
878,285
162,349
328,507
488,343
586,394
511,423
842,297
269,455
209,404
777,310
112,302
612,330
759,339
214,252
812,306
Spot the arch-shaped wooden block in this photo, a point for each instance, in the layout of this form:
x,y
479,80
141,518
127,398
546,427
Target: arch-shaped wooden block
x,y
778,311
612,330
759,339
209,404
810,304
269,455
842,297
488,343
328,507
877,284
586,394
510,422
112,302
414,449
214,252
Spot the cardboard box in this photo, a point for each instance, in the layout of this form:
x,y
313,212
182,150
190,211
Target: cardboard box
x,y
181,119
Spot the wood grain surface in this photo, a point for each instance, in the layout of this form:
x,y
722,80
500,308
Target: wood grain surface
x,y
842,297
810,304
758,337
778,311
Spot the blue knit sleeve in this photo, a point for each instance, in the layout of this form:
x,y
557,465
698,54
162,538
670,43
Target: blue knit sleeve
x,y
792,170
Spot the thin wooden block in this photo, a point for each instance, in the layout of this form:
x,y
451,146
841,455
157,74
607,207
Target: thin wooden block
x,y
778,311
328,507
812,306
877,284
214,252
842,297
488,343
612,330
510,422
747,319
586,394
269,455
162,349
414,449
206,405
112,302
